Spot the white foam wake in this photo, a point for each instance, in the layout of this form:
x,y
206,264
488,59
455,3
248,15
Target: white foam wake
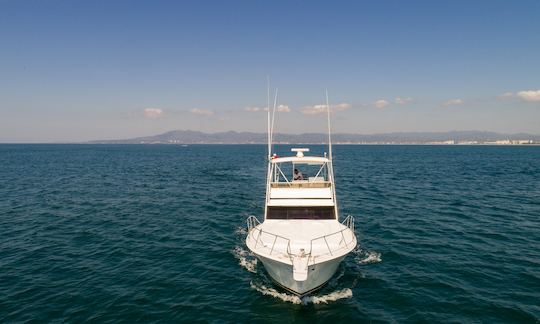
x,y
333,296
240,231
371,257
366,257
250,264
274,293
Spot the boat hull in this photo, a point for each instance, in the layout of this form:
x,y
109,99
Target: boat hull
x,y
318,274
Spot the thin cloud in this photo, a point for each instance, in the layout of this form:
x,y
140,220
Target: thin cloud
x,y
381,103
403,101
201,112
254,109
529,95
525,95
283,108
280,108
506,95
340,107
452,102
321,109
153,112
313,110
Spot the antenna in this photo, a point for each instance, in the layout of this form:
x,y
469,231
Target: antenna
x,y
331,164
329,131
268,110
273,117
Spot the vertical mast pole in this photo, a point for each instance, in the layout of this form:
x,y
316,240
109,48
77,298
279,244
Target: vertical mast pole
x,y
273,118
329,130
268,119
269,173
331,163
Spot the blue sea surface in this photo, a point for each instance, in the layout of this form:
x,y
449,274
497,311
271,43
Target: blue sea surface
x,y
155,233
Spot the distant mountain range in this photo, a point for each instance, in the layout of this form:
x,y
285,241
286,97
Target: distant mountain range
x,y
232,137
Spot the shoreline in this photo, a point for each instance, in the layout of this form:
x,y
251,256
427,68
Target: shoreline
x,y
187,144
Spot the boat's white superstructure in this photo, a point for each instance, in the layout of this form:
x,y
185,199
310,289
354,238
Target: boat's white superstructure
x,y
301,240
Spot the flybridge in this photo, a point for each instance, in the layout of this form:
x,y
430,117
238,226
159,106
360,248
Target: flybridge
x,y
300,180
303,171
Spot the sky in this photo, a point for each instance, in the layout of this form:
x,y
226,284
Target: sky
x,y
88,70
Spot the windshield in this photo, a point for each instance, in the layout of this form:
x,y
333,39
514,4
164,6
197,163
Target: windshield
x,y
289,172
320,212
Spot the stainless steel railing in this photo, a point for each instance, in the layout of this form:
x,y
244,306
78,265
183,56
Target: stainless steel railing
x,y
349,222
253,222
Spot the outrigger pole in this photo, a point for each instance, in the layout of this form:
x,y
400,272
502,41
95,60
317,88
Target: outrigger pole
x,y
331,163
273,119
329,131
268,110
270,122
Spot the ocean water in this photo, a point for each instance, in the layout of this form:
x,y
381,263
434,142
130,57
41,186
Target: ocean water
x,y
155,233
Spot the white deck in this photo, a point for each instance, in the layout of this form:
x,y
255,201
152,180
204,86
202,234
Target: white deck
x,y
302,230
321,239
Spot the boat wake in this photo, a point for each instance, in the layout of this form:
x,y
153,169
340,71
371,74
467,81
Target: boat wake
x,y
366,257
315,299
241,231
245,259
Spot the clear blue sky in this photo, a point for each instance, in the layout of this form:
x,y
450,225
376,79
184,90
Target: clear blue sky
x,y
81,70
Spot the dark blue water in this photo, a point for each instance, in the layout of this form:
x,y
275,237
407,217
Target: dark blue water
x,y
155,233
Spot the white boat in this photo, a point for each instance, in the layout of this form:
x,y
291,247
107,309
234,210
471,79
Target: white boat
x,y
301,241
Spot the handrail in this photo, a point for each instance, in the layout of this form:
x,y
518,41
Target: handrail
x,y
349,222
253,222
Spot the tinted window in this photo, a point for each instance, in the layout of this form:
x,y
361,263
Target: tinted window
x,y
300,213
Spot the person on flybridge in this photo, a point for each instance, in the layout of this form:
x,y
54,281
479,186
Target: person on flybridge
x,y
298,175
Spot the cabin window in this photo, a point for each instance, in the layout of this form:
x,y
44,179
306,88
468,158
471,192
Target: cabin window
x,y
300,213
